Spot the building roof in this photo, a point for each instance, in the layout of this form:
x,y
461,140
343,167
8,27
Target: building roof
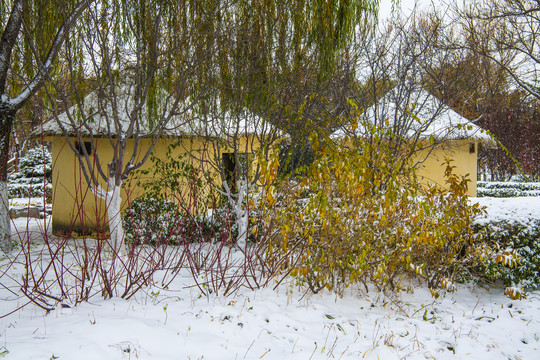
x,y
418,115
188,119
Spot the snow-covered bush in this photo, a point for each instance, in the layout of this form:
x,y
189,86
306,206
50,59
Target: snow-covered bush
x,y
508,237
34,176
507,189
150,221
357,216
155,221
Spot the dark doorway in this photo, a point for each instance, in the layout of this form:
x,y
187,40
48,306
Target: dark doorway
x,y
229,167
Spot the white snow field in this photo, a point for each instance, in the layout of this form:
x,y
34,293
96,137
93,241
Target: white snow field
x,y
286,323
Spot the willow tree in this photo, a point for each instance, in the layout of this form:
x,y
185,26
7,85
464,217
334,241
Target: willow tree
x,y
270,56
33,34
190,50
143,67
150,62
299,64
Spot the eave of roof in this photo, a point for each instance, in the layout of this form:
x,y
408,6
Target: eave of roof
x,y
427,117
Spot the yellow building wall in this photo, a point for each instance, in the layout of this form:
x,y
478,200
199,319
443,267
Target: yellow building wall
x,y
432,163
76,210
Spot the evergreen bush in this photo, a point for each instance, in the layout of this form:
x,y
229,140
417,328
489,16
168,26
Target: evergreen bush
x,y
34,176
512,240
155,221
507,189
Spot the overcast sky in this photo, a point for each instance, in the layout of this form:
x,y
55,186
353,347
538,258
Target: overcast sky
x,y
406,6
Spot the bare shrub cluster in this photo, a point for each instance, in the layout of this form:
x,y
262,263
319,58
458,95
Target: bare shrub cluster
x,y
166,242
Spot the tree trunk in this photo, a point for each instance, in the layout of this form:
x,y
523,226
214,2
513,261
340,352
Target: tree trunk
x,y
116,229
241,213
6,122
5,230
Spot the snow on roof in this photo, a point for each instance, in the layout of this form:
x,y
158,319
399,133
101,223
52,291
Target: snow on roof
x,y
419,114
217,122
95,116
188,120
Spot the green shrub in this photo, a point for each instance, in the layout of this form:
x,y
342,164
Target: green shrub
x,y
34,176
512,240
152,222
507,189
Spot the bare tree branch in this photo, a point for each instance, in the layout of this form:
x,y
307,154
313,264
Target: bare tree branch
x,y
44,68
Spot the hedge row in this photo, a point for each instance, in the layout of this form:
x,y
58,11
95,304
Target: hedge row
x,y
507,189
522,238
27,190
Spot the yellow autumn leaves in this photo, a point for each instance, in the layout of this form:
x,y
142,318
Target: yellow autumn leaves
x,y
351,219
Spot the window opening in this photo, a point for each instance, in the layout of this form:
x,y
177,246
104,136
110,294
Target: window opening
x,y
87,146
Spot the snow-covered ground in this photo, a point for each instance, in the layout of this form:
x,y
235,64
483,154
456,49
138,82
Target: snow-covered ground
x,y
286,323
25,202
515,208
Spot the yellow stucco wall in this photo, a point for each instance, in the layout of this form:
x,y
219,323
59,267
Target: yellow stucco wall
x,y
432,166
77,210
